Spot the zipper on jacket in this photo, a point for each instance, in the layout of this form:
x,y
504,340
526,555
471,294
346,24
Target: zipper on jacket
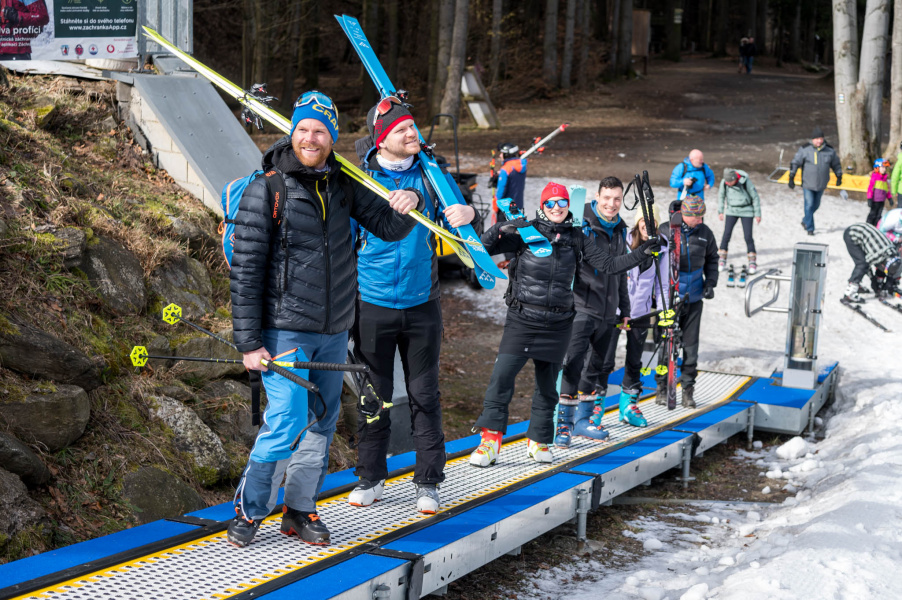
x,y
551,279
326,254
284,244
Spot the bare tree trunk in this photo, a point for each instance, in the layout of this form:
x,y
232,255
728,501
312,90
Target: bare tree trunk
x,y
674,30
495,58
433,51
569,26
761,28
582,69
614,39
709,40
871,70
291,58
625,50
895,119
849,103
369,95
311,50
391,7
549,62
247,45
261,48
451,98
751,13
723,7
795,36
443,58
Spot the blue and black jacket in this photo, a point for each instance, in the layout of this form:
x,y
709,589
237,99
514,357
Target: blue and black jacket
x,y
601,294
400,274
698,261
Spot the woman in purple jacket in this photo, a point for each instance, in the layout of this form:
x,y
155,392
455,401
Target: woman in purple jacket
x,y
645,302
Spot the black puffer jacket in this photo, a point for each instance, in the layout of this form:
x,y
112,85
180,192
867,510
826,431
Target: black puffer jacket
x,y
541,287
302,277
597,293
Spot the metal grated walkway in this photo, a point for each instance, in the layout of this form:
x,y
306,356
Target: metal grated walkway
x,y
210,567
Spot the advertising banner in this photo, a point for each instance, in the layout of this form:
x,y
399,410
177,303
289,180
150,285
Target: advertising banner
x,y
68,29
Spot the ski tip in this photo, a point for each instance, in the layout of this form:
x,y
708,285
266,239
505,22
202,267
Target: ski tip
x,y
564,126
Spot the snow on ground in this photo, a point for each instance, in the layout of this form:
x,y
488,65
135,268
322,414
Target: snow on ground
x,y
840,535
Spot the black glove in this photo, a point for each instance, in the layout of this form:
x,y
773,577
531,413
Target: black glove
x,y
653,245
839,180
709,292
11,15
792,183
513,226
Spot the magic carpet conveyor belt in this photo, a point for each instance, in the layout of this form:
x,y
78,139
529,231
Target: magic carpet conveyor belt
x,y
200,563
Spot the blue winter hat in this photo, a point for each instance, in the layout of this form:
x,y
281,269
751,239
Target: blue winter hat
x,y
316,105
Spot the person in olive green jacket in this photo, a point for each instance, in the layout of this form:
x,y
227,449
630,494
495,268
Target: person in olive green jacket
x,y
738,201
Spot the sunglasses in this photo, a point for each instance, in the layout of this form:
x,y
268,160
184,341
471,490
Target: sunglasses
x,y
315,97
562,202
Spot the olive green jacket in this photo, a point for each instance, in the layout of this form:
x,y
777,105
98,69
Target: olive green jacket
x,y
740,200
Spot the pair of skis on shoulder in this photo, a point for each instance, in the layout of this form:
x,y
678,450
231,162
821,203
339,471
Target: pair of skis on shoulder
x,y
731,277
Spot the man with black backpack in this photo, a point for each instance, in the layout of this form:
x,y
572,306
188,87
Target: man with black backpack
x,y
399,309
293,285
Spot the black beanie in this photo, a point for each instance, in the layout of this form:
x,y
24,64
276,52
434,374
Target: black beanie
x,y
380,125
817,133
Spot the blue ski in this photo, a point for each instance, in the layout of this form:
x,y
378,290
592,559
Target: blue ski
x,y
538,243
486,269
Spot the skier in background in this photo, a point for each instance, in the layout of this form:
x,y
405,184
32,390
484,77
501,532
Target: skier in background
x,y
868,248
879,192
293,286
891,225
20,22
698,278
599,296
692,175
539,318
511,183
398,308
737,200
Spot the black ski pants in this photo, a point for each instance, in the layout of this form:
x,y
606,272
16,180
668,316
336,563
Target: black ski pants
x,y
600,368
587,331
417,333
858,257
729,222
501,390
690,327
875,213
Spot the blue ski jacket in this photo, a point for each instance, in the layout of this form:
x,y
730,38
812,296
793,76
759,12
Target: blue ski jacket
x,y
698,261
512,181
400,274
703,175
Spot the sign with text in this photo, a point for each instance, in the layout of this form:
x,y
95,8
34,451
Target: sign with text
x,y
68,29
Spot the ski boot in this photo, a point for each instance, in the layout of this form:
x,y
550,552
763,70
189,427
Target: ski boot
x,y
753,263
743,275
308,526
427,498
661,395
566,413
688,397
541,453
588,420
489,447
242,531
852,296
722,262
366,492
629,410
731,277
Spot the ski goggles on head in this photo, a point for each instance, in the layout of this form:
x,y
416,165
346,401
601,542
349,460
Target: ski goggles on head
x,y
387,103
562,202
315,97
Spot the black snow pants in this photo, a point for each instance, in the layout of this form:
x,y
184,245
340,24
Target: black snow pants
x,y
599,368
417,333
587,331
690,326
858,257
501,390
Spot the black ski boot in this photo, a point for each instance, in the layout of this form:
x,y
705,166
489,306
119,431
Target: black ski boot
x,y
308,527
661,395
241,532
689,397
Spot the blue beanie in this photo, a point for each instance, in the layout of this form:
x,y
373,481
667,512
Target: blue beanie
x,y
316,105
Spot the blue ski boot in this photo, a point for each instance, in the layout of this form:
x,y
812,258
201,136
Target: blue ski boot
x,y
629,410
566,414
588,420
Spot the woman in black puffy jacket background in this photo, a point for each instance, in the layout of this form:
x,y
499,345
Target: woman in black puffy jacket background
x,y
539,318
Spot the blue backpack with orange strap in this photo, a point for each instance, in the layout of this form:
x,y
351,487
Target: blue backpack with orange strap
x,y
231,199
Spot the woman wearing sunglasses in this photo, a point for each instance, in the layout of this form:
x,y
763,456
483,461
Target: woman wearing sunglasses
x,y
539,318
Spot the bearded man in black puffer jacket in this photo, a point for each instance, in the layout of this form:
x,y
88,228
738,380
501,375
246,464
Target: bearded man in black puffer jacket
x,y
294,288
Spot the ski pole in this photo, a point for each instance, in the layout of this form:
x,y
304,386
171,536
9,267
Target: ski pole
x,y
139,358
535,147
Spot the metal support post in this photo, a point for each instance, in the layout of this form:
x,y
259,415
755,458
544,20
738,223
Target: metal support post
x,y
687,459
582,511
750,430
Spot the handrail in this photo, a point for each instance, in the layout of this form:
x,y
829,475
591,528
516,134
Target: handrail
x,y
771,275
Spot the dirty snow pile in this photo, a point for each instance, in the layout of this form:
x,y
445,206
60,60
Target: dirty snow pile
x,y
840,534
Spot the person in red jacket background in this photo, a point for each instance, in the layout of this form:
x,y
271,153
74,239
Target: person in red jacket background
x,y
20,22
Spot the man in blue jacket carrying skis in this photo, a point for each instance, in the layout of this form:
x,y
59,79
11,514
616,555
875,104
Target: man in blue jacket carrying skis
x,y
692,175
398,308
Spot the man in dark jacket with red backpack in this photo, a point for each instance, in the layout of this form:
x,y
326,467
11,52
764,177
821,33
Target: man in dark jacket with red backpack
x,y
294,288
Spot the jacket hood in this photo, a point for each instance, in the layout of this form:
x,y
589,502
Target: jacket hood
x,y
826,145
281,156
